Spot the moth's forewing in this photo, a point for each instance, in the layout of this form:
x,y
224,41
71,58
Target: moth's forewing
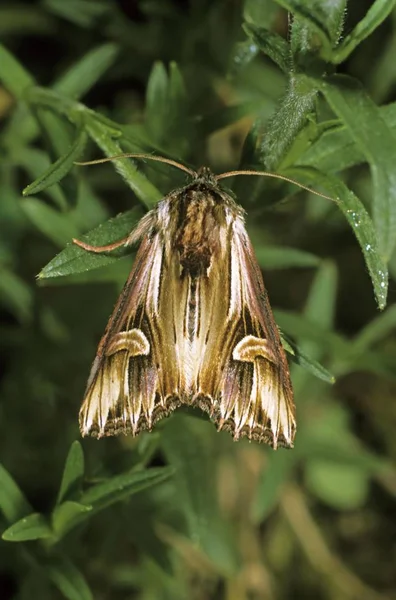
x,y
193,325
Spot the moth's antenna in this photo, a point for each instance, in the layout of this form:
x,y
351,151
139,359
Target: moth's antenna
x,y
275,176
162,159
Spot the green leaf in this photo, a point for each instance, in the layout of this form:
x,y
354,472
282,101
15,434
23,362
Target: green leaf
x,y
69,580
157,100
13,503
282,257
190,446
32,527
67,515
301,327
359,220
120,487
376,330
60,168
272,479
16,295
144,190
335,149
35,162
13,74
340,486
83,75
81,12
272,44
76,260
305,361
378,144
73,473
377,13
58,227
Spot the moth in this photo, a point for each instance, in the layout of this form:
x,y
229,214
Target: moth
x,y
193,325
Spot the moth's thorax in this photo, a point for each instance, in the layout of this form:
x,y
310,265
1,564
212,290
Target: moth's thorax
x,y
199,217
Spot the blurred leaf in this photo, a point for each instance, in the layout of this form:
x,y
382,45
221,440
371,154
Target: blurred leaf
x,y
66,515
275,474
13,503
282,257
189,445
272,44
57,227
16,295
376,14
120,487
340,486
378,143
61,167
83,75
73,473
376,329
32,527
80,12
361,224
68,579
76,260
13,74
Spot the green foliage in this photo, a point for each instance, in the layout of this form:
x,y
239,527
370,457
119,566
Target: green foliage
x,y
184,511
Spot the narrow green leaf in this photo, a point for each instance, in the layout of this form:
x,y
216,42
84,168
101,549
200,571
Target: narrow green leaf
x,y
73,473
282,257
32,527
305,361
16,295
13,74
83,75
272,479
76,260
144,190
67,515
13,503
122,486
35,162
360,222
69,580
57,227
60,168
377,142
377,13
272,44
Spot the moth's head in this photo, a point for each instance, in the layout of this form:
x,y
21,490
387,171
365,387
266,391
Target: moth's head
x,y
205,175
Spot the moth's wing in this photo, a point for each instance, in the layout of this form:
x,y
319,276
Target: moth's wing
x,y
243,378
135,377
